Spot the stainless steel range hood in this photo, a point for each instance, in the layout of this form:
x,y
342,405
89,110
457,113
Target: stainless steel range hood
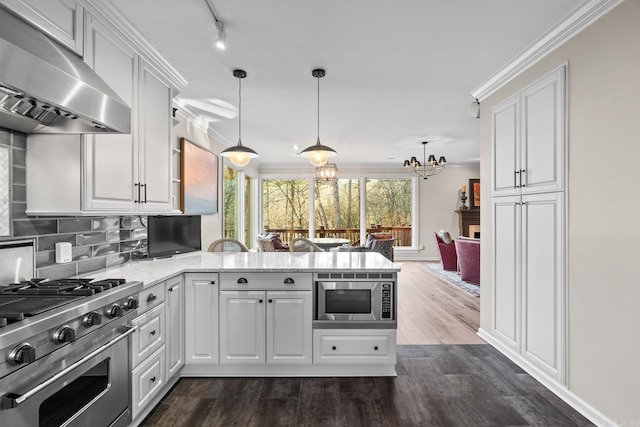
x,y
45,88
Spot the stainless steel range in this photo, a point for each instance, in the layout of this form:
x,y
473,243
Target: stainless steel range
x,y
64,351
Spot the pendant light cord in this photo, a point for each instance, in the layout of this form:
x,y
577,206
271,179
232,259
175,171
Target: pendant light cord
x,y
239,111
318,141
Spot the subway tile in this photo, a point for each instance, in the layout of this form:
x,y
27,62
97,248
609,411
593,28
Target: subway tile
x,y
106,249
117,259
113,236
130,245
33,227
140,233
58,271
47,243
45,258
133,222
19,158
81,252
92,238
125,234
111,223
20,140
72,225
19,175
19,193
91,265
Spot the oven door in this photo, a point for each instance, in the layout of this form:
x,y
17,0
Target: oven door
x,y
87,385
349,301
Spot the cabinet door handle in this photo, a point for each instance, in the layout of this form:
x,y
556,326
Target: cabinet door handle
x,y
145,192
270,300
289,281
170,289
151,297
516,176
153,379
521,175
152,332
137,184
243,280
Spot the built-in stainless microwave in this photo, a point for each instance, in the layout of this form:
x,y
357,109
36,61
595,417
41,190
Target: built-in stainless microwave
x,y
370,302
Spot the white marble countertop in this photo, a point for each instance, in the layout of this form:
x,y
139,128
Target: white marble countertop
x,y
157,270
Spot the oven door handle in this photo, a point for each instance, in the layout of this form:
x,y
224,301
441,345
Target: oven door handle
x,y
12,400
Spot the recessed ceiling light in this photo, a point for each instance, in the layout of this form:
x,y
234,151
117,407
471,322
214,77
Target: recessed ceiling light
x,y
295,147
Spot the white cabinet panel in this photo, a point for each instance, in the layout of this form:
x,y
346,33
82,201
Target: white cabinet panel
x,y
353,346
149,336
175,325
147,380
242,327
289,325
506,144
201,318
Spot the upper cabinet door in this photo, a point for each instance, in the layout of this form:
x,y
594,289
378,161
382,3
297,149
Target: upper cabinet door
x,y
111,159
506,146
543,134
60,19
155,140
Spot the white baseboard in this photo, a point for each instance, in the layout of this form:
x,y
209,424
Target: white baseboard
x,y
560,390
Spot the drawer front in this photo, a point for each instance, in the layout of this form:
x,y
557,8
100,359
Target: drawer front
x,y
147,380
266,281
354,346
151,297
150,334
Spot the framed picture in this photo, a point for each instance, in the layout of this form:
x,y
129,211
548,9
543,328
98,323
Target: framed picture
x,y
198,179
474,193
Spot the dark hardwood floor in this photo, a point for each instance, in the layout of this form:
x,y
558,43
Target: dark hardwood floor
x,y
437,385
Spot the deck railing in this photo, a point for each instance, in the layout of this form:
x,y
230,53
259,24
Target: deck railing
x,y
402,234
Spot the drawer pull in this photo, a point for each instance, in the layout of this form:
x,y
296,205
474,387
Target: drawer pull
x,y
243,280
213,282
151,297
153,332
289,281
260,301
153,379
375,348
270,300
333,347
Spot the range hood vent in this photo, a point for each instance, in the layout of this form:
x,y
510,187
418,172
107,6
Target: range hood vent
x,y
45,88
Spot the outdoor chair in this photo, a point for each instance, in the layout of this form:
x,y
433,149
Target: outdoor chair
x,y
301,244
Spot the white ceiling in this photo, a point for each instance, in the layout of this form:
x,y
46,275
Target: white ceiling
x,y
398,73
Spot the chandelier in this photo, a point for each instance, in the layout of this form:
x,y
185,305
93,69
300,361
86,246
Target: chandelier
x,y
428,167
327,174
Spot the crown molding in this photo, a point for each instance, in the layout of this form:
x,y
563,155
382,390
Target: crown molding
x,y
108,13
583,16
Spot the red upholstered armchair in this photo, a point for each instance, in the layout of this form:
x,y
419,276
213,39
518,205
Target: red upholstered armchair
x,y
447,250
469,259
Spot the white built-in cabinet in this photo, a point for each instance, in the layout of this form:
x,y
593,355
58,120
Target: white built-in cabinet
x,y
60,19
529,232
109,173
174,330
266,327
201,318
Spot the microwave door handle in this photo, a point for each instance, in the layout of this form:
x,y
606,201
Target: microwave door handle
x,y
12,400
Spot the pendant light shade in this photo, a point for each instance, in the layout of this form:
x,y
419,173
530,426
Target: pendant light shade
x,y
318,154
239,155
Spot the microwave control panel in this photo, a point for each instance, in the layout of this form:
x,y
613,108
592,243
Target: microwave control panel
x,y
386,301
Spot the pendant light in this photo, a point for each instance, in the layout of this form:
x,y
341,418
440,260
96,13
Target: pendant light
x,y
318,154
239,155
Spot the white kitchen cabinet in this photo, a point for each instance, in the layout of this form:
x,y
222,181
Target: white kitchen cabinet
x,y
528,270
201,318
59,19
265,327
354,346
528,138
149,336
174,329
119,173
147,380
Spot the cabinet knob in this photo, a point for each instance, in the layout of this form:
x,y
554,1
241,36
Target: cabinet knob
x,y
289,281
375,348
270,300
243,280
213,282
151,297
153,332
260,301
153,379
333,347
170,289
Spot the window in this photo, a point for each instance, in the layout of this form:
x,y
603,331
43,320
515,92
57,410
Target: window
x,y
230,186
285,207
249,210
389,208
337,210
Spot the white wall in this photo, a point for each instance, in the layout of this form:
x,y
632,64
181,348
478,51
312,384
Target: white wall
x,y
603,236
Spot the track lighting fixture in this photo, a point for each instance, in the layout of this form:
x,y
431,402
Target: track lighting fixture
x,y
221,42
474,109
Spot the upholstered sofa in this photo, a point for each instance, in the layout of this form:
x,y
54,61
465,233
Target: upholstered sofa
x,y
447,249
468,251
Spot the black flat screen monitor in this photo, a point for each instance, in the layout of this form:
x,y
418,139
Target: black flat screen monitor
x,y
171,235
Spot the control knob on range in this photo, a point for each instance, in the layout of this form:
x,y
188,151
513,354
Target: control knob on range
x,y
115,311
131,303
91,319
23,353
64,334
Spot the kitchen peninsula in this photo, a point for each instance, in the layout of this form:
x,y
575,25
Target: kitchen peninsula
x,y
259,314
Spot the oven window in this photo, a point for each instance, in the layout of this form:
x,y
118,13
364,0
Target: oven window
x,y
76,395
348,301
